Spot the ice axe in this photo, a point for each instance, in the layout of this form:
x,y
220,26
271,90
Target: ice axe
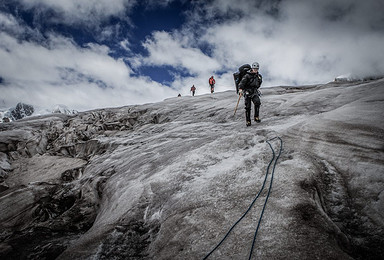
x,y
237,103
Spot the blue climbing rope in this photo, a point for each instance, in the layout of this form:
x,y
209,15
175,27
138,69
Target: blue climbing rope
x,y
269,191
254,200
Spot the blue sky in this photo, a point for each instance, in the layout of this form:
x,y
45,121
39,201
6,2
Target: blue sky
x,y
100,53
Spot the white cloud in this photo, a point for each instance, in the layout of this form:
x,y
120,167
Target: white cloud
x,y
12,25
81,78
85,11
302,42
295,42
7,21
168,49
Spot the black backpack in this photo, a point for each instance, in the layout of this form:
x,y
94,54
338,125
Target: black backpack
x,y
238,75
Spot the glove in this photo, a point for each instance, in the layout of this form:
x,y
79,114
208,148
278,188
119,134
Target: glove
x,y
240,91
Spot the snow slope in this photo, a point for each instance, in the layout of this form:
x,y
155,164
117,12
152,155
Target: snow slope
x,y
167,180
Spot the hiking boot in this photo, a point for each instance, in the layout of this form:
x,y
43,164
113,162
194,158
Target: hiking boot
x,y
248,123
257,119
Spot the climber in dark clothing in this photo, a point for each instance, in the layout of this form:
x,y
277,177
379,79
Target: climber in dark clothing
x,y
249,87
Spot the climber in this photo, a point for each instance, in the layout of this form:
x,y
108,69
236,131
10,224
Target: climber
x,y
212,83
249,88
193,89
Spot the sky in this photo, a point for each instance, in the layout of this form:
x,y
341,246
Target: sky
x,y
89,54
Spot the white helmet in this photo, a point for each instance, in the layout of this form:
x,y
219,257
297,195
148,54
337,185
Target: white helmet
x,y
255,65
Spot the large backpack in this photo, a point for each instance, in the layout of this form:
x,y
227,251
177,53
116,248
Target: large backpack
x,y
238,75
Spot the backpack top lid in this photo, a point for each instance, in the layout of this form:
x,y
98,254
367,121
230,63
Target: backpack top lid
x,y
244,68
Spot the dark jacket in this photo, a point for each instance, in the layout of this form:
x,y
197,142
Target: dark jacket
x,y
251,82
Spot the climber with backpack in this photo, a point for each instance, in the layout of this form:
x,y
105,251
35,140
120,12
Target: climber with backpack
x,y
212,83
248,86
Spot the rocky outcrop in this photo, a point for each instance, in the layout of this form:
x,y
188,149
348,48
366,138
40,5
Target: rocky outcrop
x,y
21,110
168,180
24,110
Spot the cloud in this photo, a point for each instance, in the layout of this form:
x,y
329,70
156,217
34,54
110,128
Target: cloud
x,y
84,12
62,72
295,42
14,26
335,37
171,49
9,23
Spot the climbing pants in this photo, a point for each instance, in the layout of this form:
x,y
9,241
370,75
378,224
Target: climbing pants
x,y
256,101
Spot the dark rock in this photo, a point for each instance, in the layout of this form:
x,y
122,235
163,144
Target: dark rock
x,y
22,110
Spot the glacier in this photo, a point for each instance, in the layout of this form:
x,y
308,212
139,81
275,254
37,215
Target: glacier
x,y
167,180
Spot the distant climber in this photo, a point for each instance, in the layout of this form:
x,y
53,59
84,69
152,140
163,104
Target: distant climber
x,y
249,88
179,95
193,89
212,84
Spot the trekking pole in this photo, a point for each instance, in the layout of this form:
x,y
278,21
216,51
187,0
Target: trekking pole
x,y
237,103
